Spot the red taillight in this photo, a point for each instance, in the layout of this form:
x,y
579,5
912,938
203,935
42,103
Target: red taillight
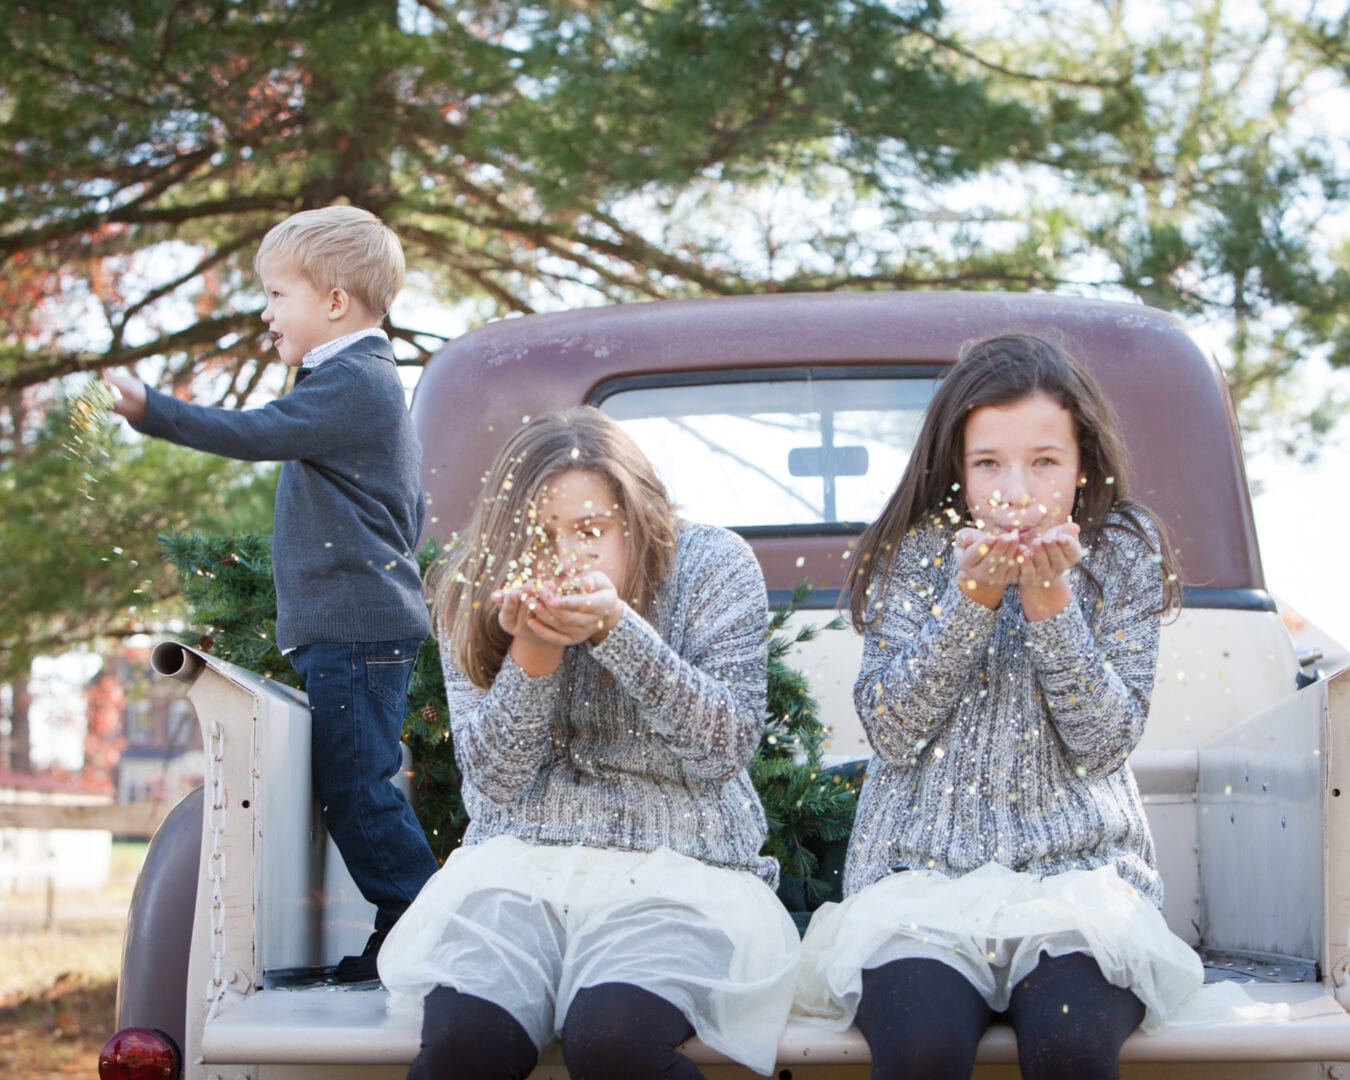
x,y
139,1053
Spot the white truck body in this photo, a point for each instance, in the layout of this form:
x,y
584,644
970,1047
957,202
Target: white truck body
x,y
1244,823
1245,772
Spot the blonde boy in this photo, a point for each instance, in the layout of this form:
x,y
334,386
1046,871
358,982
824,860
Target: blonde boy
x,y
349,510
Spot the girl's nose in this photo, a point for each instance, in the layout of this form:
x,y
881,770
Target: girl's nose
x,y
566,556
1013,491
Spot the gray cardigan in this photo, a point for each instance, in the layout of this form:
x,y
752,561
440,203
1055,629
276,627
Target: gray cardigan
x,y
1003,740
638,742
349,504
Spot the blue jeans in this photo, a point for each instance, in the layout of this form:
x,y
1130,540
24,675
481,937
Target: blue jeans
x,y
358,695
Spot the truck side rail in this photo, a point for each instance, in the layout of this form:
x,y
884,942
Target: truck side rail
x,y
257,907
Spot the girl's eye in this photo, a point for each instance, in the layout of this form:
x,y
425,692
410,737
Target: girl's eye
x,y
1045,461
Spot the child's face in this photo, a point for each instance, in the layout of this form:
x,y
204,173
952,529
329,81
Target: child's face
x,y
299,316
1020,466
581,517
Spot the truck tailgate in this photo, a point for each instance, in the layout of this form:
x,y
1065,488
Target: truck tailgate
x,y
349,1027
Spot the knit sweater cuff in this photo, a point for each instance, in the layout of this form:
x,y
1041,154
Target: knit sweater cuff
x,y
1060,641
967,620
524,695
154,420
631,643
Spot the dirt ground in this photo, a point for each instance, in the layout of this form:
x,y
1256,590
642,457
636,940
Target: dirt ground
x,y
59,958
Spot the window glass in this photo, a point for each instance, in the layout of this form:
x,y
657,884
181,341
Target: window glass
x,y
796,452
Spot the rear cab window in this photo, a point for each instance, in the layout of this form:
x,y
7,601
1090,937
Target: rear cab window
x,y
777,451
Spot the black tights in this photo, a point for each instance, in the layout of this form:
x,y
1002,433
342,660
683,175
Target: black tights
x,y
923,1020
611,1030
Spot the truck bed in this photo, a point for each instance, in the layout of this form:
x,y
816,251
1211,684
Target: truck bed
x,y
1254,843
345,1026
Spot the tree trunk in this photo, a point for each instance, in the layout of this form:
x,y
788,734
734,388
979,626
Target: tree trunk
x,y
20,744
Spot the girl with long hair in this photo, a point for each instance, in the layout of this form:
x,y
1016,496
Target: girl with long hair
x,y
605,667
1000,864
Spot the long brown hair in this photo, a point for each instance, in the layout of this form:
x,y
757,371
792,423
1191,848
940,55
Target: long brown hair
x,y
1003,370
498,538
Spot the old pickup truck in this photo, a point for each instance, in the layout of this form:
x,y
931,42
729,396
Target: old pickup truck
x,y
789,418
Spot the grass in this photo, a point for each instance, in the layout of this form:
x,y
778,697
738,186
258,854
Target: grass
x,y
59,959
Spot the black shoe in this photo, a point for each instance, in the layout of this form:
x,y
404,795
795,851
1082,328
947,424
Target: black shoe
x,y
356,969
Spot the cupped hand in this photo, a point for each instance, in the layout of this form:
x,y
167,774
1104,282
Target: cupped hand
x,y
987,563
1050,555
541,613
1042,585
587,611
518,610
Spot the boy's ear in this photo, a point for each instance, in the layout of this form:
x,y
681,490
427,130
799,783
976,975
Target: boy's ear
x,y
338,303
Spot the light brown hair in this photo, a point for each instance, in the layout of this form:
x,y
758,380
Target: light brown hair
x,y
340,247
1003,370
490,548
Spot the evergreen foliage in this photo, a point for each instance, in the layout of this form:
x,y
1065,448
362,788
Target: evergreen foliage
x,y
232,602
536,156
808,807
227,584
436,777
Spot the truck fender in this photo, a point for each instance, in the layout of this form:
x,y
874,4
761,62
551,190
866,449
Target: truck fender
x,y
152,990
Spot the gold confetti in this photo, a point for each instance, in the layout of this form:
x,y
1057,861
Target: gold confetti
x,y
87,441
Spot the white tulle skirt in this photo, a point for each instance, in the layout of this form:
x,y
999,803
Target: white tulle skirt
x,y
528,926
992,925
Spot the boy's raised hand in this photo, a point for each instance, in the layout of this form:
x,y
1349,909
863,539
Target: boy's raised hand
x,y
129,399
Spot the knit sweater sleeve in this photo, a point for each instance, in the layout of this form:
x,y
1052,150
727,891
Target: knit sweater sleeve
x,y
917,662
502,734
316,414
706,701
1098,679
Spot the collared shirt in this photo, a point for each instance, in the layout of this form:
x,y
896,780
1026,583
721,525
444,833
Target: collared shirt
x,y
320,353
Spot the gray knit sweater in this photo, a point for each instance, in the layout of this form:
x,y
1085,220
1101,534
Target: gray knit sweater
x,y
349,503
1002,740
638,742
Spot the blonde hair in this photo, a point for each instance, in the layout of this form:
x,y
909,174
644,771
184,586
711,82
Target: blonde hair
x,y
341,247
499,536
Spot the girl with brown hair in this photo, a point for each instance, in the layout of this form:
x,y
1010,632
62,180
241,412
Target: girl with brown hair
x,y
1000,864
605,671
